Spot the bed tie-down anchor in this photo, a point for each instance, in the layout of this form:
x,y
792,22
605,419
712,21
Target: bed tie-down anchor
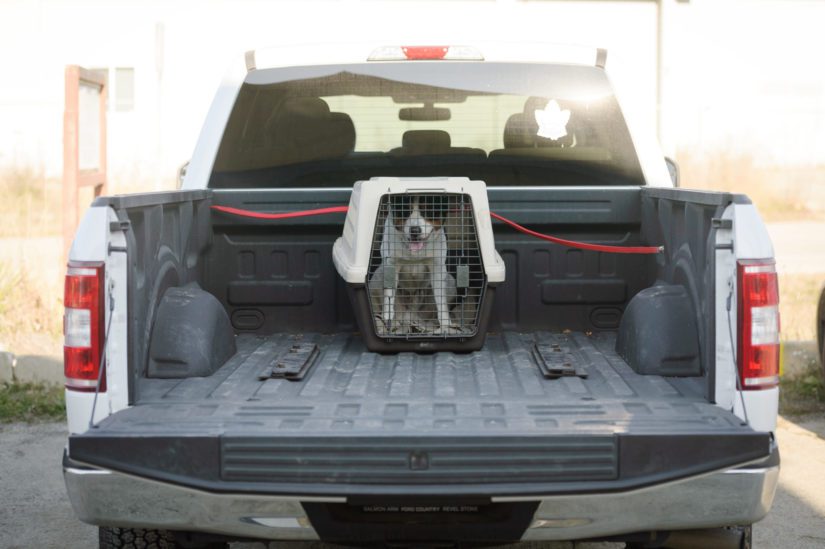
x,y
293,364
557,360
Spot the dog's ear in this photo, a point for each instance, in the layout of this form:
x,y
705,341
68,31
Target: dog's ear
x,y
400,206
436,207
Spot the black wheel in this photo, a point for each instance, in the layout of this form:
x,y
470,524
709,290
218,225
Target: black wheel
x,y
747,537
728,536
820,329
822,358
135,538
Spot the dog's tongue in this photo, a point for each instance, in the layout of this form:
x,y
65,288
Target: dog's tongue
x,y
416,246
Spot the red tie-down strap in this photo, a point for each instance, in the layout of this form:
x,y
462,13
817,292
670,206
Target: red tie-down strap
x,y
644,250
285,215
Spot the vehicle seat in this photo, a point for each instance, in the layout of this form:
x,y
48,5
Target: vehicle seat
x,y
427,142
521,134
303,129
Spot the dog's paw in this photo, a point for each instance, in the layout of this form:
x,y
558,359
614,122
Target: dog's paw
x,y
380,326
448,330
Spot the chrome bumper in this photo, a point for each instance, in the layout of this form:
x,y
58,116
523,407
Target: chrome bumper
x,y
109,498
734,496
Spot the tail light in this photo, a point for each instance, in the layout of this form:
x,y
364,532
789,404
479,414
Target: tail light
x,y
758,299
83,326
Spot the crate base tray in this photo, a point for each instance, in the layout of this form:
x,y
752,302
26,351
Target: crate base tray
x,y
453,342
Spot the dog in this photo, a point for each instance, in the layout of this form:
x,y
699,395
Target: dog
x,y
411,290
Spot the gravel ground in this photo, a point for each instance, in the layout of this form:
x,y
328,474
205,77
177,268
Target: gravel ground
x,y
36,511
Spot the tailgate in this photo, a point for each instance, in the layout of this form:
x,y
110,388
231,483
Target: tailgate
x,y
486,423
449,465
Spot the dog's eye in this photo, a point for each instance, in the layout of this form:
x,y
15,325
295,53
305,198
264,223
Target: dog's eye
x,y
400,205
434,207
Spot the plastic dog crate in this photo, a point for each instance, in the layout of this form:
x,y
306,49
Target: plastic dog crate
x,y
420,263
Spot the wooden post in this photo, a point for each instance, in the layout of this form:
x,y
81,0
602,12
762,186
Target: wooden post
x,y
73,177
71,155
101,188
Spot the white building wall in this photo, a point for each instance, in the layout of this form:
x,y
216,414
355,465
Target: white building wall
x,y
745,77
38,38
737,73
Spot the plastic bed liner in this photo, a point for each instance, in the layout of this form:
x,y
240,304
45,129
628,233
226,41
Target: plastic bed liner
x,y
482,423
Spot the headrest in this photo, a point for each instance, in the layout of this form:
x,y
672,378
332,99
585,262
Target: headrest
x,y
305,106
425,140
298,121
303,129
534,104
340,135
520,131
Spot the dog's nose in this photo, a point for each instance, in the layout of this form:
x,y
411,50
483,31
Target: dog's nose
x,y
415,232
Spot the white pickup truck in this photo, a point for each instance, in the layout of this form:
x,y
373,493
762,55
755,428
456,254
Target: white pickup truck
x,y
227,378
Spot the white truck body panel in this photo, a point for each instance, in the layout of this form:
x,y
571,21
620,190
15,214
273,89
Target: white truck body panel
x,y
206,148
750,240
96,242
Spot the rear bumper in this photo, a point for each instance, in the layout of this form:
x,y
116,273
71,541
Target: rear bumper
x,y
741,495
737,496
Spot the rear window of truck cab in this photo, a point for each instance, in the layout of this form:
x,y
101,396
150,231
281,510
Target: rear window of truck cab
x,y
508,124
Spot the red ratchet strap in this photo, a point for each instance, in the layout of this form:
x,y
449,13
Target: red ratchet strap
x,y
513,224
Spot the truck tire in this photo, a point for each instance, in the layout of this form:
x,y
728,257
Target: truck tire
x,y
822,360
746,541
138,538
728,537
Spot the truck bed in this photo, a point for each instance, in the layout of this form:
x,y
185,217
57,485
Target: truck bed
x,y
415,420
501,387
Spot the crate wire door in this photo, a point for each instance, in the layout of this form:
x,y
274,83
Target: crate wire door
x,y
426,278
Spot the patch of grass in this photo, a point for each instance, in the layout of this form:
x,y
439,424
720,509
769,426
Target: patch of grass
x,y
781,193
31,402
802,387
803,393
28,311
798,298
32,203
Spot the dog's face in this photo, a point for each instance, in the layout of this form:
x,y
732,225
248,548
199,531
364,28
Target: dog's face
x,y
418,217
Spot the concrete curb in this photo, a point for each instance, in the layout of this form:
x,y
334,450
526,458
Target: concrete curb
x,y
31,369
6,367
35,368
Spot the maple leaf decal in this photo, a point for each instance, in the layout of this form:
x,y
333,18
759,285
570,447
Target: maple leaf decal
x,y
552,121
